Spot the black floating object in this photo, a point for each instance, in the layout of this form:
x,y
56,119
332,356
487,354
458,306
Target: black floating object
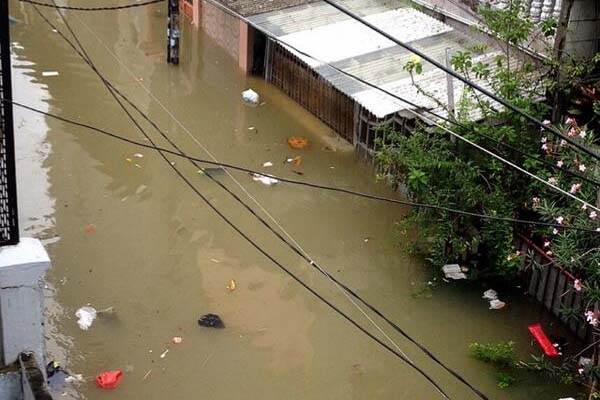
x,y
52,368
211,321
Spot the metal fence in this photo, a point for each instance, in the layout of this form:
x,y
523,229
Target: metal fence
x,y
9,229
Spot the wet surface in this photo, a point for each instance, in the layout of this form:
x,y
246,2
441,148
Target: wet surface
x,y
129,234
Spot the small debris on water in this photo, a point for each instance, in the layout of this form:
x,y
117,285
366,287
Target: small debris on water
x,y
138,155
90,228
211,321
298,172
265,180
267,164
232,285
453,271
366,240
164,353
109,379
490,294
50,73
252,128
140,189
328,149
214,260
129,160
496,304
146,375
250,97
176,339
297,142
74,378
86,316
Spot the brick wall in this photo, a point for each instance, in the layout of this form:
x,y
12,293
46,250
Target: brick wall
x,y
222,27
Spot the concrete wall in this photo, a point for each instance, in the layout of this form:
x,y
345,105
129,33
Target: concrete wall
x,y
583,39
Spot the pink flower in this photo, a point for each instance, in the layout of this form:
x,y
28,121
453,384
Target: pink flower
x,y
597,229
593,215
572,260
572,132
577,285
546,244
576,187
555,231
570,121
552,180
546,122
559,220
560,163
584,207
544,139
591,317
549,252
536,201
562,143
582,134
580,371
582,167
545,147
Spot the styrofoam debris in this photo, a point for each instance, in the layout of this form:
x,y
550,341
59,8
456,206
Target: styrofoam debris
x,y
490,294
74,378
86,317
496,304
250,96
265,180
267,164
453,271
50,73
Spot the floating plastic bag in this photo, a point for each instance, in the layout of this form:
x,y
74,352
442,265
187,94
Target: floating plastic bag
x,y
251,97
86,317
109,379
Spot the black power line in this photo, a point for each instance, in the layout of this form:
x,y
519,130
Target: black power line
x,y
463,79
302,183
124,6
110,88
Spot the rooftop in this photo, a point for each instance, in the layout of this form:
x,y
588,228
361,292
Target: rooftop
x,y
251,7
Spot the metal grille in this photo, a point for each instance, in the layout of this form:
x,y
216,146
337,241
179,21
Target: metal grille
x,y
9,229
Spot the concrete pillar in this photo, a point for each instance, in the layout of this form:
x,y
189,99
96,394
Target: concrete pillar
x,y
246,47
22,268
196,13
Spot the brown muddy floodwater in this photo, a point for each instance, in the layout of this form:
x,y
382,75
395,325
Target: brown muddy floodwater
x,y
134,237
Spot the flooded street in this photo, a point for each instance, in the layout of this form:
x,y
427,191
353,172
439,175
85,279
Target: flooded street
x,y
124,231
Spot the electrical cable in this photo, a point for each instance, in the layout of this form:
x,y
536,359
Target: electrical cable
x,y
463,79
166,137
303,183
133,5
249,240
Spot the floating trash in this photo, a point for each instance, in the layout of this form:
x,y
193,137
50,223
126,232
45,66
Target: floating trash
x,y
453,271
50,73
490,294
109,379
267,164
211,321
265,180
176,340
251,97
297,142
86,317
232,285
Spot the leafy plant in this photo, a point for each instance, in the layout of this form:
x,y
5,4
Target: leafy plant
x,y
501,354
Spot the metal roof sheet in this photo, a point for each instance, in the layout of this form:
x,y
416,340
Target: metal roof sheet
x,y
350,46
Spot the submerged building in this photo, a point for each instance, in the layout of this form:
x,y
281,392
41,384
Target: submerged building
x,y
323,59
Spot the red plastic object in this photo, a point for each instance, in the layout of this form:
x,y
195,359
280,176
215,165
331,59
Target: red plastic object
x,y
540,336
109,379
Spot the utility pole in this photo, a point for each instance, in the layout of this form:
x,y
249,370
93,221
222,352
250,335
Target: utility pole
x,y
9,227
173,32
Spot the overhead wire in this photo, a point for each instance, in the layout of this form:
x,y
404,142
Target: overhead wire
x,y
244,204
304,183
247,238
105,8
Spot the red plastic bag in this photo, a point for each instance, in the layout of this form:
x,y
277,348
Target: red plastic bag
x,y
109,379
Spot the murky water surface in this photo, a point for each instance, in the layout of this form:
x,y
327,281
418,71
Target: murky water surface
x,y
129,234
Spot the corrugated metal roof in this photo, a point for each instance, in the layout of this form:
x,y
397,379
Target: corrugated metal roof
x,y
326,34
252,7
